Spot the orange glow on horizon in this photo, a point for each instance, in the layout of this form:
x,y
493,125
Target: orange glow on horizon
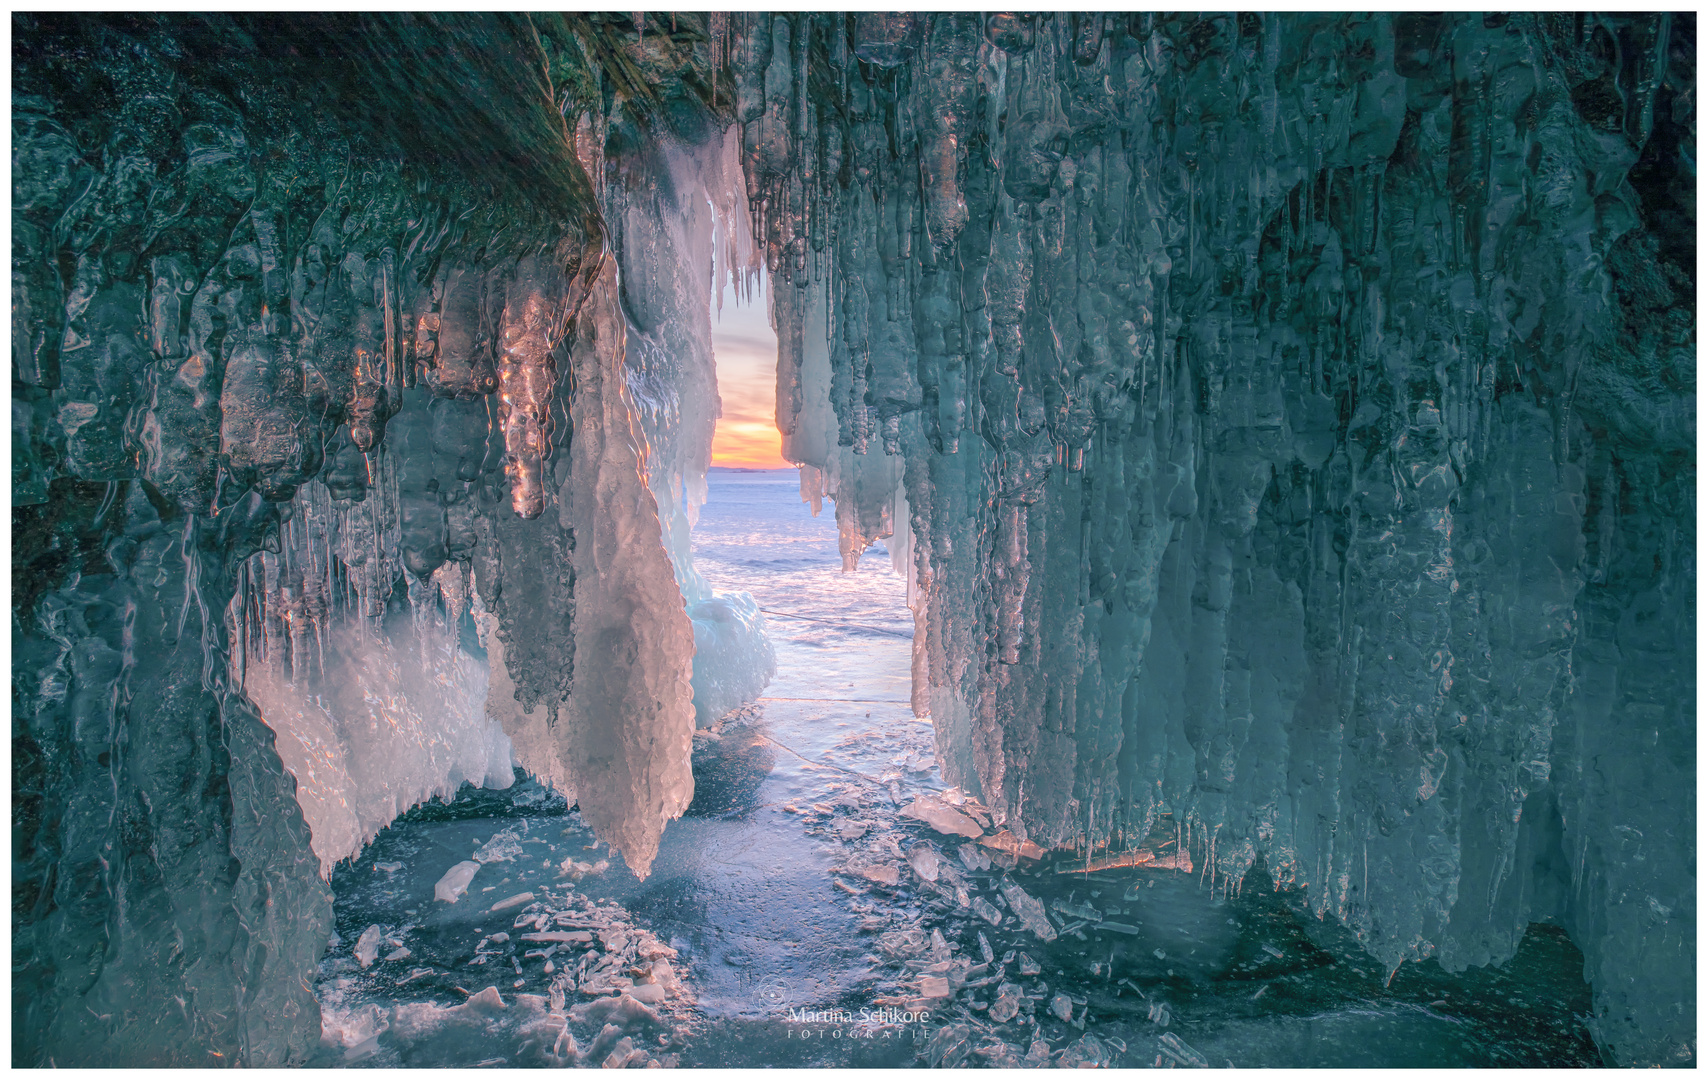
x,y
746,352
746,444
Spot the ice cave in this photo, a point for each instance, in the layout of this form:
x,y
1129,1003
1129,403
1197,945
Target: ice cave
x,y
807,539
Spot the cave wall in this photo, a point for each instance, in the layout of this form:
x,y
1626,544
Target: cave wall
x,y
1296,415
318,363
1290,419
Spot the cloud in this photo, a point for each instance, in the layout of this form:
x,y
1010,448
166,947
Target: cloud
x,y
746,352
748,445
746,342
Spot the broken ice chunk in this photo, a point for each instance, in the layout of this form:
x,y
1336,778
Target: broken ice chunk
x,y
488,1001
1088,1053
1001,1055
653,949
1078,911
1029,911
1181,1053
1273,951
455,882
647,993
602,1043
514,901
575,871
965,803
985,949
851,830
1028,966
620,1053
933,986
973,857
882,873
1062,1007
619,1012
902,944
939,946
388,867
925,861
1008,844
614,940
368,945
1038,1054
504,847
985,910
948,1046
583,937
942,817
665,975
1007,1004
401,954
366,1048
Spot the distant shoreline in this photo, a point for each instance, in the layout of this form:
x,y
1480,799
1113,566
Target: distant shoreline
x,y
746,469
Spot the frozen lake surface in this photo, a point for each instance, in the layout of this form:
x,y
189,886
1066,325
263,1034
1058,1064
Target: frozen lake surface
x,y
795,898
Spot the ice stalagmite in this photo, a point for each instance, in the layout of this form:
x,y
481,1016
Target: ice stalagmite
x,y
1294,415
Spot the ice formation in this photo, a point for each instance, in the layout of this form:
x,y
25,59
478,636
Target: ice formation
x,y
670,211
1285,422
333,412
1295,418
375,711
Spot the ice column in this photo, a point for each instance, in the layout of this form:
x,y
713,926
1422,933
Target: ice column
x,y
669,211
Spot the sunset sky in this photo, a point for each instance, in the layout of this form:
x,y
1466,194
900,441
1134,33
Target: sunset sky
x,y
746,351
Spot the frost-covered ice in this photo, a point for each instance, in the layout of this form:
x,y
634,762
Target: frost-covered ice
x,y
372,726
456,881
1281,428
733,657
1279,458
796,878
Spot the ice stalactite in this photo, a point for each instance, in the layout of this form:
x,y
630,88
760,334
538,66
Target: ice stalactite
x,y
668,207
377,706
631,716
1294,417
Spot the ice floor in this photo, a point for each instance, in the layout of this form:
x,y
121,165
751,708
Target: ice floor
x,y
798,917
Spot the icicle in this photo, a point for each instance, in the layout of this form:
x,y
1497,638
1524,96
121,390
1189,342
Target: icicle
x,y
527,378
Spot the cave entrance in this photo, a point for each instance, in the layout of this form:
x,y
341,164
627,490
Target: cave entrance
x,y
764,885
843,637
